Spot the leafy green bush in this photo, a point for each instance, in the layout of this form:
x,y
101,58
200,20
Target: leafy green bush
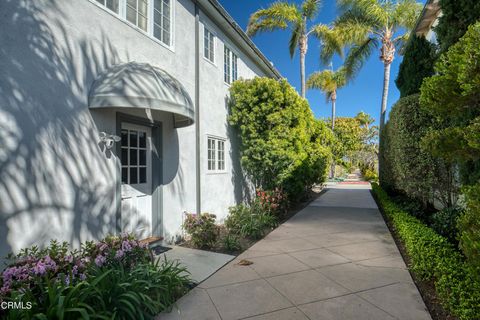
x,y
412,169
444,222
201,228
469,226
417,64
434,258
274,202
456,16
249,221
281,143
451,98
114,278
370,175
231,242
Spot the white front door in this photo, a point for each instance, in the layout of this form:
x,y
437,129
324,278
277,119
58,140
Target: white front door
x,y
136,158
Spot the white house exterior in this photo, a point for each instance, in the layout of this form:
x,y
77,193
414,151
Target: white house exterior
x,y
74,74
428,20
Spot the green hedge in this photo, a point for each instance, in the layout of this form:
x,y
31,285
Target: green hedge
x,y
434,258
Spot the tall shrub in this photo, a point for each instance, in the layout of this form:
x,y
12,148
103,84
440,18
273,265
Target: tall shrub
x,y
457,16
282,145
414,170
452,98
416,65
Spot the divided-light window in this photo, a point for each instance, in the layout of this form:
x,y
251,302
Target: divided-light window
x,y
208,45
157,24
230,64
215,154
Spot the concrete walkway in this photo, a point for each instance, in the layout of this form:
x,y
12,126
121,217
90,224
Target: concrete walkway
x,y
335,259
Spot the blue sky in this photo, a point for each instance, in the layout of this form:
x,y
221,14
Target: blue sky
x,y
363,94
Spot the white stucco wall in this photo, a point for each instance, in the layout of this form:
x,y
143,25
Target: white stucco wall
x,y
55,180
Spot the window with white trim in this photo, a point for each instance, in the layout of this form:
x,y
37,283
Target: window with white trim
x,y
215,154
110,4
162,20
137,13
208,44
154,17
230,64
134,156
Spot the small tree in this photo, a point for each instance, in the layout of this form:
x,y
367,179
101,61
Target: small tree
x,y
281,143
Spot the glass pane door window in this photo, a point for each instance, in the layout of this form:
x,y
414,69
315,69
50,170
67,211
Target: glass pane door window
x,y
136,155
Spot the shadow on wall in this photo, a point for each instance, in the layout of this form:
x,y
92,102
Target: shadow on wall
x,y
55,182
243,189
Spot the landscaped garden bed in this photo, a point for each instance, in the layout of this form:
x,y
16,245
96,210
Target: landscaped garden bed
x,y
245,225
448,283
115,278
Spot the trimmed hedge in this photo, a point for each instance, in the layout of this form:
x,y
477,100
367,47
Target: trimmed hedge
x,y
434,258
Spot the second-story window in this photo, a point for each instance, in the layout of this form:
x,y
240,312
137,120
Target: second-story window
x,y
161,20
230,65
226,65
208,44
137,13
110,4
157,24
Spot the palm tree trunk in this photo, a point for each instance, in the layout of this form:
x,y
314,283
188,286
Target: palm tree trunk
x,y
303,52
386,83
333,113
334,100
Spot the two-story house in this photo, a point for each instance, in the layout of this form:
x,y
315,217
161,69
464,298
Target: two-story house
x,y
113,116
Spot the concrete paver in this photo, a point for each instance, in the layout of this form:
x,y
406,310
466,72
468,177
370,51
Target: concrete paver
x,y
335,260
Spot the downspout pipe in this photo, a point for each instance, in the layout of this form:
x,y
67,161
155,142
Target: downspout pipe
x,y
197,111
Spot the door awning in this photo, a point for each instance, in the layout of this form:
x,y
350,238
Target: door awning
x,y
141,85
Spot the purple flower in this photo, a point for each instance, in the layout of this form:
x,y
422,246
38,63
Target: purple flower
x,y
40,268
74,270
103,247
126,246
69,258
83,276
119,254
67,280
100,260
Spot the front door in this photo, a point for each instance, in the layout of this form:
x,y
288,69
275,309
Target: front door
x,y
136,160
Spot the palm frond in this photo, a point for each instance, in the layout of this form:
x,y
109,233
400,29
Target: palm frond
x,y
353,32
406,14
295,37
277,16
331,40
357,56
401,41
364,9
310,8
327,81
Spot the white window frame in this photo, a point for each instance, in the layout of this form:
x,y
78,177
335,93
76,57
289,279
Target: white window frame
x,y
232,74
219,156
208,29
122,15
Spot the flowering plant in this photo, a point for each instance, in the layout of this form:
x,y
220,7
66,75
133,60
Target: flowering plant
x,y
123,249
273,201
33,269
33,266
201,228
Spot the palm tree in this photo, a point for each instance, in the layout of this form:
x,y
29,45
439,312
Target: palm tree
x,y
367,23
328,81
282,15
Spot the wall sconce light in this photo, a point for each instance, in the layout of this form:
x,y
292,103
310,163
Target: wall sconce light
x,y
108,139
